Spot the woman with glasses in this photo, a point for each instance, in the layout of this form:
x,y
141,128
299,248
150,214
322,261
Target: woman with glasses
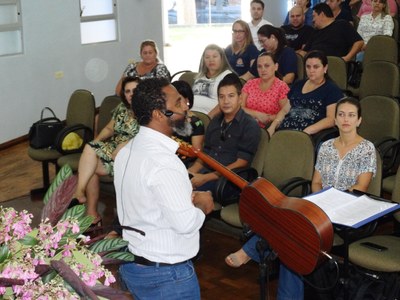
x,y
273,40
242,52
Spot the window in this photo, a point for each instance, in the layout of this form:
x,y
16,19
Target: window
x,y
10,27
98,21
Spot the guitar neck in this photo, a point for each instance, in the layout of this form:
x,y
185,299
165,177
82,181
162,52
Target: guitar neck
x,y
230,175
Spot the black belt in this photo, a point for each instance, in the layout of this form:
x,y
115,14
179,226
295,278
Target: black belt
x,y
143,261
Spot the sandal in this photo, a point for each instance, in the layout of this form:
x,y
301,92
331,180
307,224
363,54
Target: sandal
x,y
233,260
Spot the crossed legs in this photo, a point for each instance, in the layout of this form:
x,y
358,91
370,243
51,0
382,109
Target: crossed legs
x,y
88,188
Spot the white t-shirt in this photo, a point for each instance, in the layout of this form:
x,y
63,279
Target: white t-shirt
x,y
205,92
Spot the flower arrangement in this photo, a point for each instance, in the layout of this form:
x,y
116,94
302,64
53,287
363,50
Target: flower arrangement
x,y
56,260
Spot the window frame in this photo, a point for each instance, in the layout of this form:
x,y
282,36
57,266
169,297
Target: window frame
x,y
101,17
13,27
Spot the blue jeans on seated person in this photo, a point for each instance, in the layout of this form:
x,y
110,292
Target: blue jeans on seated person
x,y
290,285
161,282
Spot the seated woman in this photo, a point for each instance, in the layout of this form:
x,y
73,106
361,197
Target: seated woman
x,y
346,163
196,135
214,66
378,22
97,158
312,102
367,7
150,66
273,40
242,52
264,97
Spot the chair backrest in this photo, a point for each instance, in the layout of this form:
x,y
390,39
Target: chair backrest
x,y
381,47
105,111
379,78
380,118
337,71
81,109
203,117
289,153
395,34
189,77
300,67
178,73
375,185
396,189
258,160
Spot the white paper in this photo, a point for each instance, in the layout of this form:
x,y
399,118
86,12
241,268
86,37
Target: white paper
x,y
350,210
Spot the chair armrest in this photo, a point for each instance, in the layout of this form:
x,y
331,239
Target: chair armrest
x,y
292,183
389,150
247,173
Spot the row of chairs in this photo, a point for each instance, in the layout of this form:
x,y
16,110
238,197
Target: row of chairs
x,y
380,72
81,110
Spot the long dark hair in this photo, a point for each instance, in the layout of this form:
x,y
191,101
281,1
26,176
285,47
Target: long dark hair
x,y
125,81
268,30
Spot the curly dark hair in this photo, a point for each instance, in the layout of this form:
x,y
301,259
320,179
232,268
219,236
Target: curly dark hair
x,y
147,97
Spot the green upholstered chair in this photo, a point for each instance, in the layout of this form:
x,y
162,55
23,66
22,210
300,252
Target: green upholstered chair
x,y
374,50
80,110
286,159
300,67
378,78
189,77
104,116
379,261
337,71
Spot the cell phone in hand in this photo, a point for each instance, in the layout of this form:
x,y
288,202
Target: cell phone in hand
x,y
374,246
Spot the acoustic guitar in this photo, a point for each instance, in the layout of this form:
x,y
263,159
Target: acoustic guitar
x,y
296,229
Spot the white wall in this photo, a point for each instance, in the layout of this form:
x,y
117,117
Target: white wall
x,y
51,38
275,11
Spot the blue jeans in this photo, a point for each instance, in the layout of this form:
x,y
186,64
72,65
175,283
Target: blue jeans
x,y
165,282
290,285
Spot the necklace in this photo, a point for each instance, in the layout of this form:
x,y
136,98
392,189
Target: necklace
x,y
224,128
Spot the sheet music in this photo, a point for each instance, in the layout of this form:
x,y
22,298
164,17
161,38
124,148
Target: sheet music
x,y
350,210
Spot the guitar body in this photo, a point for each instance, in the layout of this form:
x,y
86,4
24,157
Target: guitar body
x,y
296,229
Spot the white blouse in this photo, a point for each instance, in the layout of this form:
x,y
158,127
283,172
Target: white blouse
x,y
370,26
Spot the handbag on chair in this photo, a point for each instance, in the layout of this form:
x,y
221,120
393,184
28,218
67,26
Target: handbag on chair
x,y
42,133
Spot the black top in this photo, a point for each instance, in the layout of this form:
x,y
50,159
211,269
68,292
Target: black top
x,y
336,39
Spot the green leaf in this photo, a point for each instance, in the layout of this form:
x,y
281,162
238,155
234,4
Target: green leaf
x,y
28,241
48,277
108,245
63,174
85,222
77,211
4,253
126,256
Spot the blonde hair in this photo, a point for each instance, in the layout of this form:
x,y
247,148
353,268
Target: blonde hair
x,y
152,44
224,61
248,41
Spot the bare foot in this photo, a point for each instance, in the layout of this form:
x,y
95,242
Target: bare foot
x,y
235,260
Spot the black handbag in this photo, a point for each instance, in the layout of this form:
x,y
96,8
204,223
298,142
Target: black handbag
x,y
42,133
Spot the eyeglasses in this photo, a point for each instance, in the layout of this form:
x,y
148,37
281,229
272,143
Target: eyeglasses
x,y
262,42
237,31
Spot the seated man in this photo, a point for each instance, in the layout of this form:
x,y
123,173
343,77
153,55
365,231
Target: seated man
x,y
333,37
231,138
297,32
